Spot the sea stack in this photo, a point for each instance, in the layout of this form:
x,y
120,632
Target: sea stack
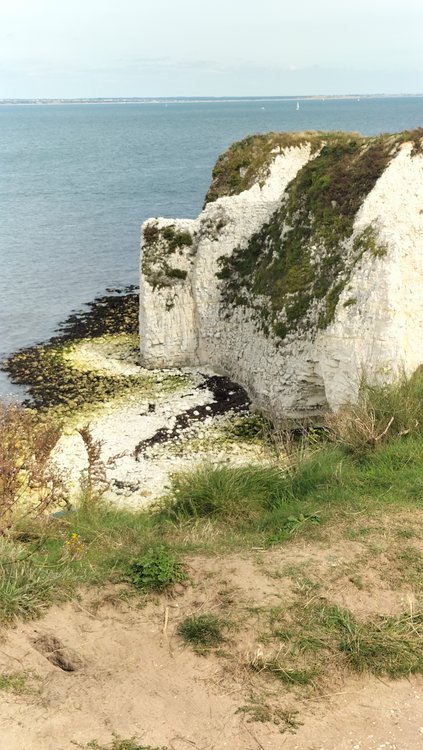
x,y
302,275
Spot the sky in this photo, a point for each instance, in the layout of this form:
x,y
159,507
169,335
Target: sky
x,y
159,48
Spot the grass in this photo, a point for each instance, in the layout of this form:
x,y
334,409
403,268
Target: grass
x,y
318,638
212,511
203,632
274,666
14,682
382,411
236,494
390,646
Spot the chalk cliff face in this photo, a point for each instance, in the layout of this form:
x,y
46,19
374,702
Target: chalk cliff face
x,y
303,273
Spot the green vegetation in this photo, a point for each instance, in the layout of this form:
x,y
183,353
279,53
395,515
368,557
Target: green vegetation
x,y
156,570
293,271
330,488
248,161
14,682
235,494
203,632
286,719
159,245
316,636
381,413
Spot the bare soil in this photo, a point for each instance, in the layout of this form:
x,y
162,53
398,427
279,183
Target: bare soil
x,y
110,665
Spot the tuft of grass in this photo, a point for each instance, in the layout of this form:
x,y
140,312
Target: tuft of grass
x,y
317,636
286,719
14,682
390,646
285,673
233,493
157,570
119,744
203,632
381,413
28,583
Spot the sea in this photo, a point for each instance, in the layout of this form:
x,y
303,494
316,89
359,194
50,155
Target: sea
x,y
78,180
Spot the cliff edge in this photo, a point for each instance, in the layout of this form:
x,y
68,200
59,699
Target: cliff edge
x,y
302,274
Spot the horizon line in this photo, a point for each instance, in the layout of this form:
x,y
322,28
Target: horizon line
x,y
205,99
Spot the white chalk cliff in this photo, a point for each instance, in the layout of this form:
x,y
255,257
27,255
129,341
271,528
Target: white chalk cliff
x,y
303,273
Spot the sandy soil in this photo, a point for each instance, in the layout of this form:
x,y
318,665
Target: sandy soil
x,y
134,677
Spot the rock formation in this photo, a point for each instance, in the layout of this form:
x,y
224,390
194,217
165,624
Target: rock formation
x,y
302,274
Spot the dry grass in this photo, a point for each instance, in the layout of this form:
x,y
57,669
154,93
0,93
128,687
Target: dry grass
x,y
29,483
381,413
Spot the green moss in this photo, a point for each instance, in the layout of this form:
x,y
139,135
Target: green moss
x,y
51,371
350,301
176,239
159,244
293,271
53,380
176,273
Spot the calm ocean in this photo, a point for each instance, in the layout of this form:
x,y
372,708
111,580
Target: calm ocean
x,y
76,182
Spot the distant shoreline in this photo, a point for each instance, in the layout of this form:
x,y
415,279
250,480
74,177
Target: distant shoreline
x,y
202,100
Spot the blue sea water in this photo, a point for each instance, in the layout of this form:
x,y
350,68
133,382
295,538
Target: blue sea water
x,y
77,180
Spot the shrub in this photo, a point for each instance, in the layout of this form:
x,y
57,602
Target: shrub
x,y
158,569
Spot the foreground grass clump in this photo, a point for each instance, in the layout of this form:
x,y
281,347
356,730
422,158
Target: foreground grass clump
x,y
29,581
382,412
14,682
237,494
202,631
317,638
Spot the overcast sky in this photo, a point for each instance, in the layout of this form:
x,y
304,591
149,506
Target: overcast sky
x,y
89,48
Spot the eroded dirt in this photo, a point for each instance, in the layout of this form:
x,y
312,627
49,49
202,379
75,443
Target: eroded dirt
x,y
132,675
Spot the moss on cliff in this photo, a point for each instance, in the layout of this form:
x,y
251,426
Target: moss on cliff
x,y
159,245
292,272
248,161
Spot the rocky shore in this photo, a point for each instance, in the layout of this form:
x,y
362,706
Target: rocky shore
x,y
149,423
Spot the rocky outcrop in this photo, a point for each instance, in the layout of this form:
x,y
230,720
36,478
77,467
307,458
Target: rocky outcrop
x,y
302,274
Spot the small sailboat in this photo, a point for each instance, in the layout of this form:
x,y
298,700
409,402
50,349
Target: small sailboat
x,y
298,106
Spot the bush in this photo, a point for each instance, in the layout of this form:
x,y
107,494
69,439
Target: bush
x,y
156,570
